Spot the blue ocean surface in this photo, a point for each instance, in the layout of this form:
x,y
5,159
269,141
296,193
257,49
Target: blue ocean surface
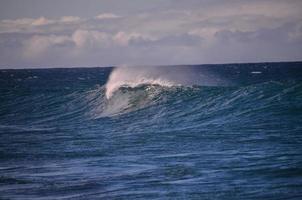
x,y
230,131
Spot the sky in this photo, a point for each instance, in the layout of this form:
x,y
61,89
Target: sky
x,y
89,33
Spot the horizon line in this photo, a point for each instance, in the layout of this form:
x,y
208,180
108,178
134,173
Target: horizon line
x,y
143,65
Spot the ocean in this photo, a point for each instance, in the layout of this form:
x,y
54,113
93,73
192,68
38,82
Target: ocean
x,y
229,131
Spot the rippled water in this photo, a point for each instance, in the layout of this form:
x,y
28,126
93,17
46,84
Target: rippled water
x,y
213,132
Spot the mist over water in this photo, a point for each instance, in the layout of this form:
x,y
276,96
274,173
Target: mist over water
x,y
178,132
159,75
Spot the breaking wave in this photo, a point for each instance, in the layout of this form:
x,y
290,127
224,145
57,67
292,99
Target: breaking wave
x,y
160,75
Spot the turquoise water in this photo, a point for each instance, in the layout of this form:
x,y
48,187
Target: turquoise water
x,y
178,132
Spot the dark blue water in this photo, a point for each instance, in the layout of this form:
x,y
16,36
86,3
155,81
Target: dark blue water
x,y
225,132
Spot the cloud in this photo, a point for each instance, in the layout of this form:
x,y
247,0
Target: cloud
x,y
41,21
38,44
98,39
84,38
107,16
190,31
70,19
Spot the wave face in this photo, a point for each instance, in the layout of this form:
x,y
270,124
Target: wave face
x,y
193,132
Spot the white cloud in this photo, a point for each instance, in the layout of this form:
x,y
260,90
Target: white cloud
x,y
107,16
70,19
87,38
41,21
37,45
98,39
123,39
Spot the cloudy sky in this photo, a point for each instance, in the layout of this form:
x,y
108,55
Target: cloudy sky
x,y
80,33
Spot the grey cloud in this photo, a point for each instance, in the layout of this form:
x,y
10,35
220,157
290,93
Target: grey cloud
x,y
275,35
157,32
171,40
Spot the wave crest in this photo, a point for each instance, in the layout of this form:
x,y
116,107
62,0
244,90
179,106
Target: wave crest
x,y
161,75
135,76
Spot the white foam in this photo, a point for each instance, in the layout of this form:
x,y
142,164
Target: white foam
x,y
134,76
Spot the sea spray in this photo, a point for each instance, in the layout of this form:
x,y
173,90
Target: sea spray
x,y
160,75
